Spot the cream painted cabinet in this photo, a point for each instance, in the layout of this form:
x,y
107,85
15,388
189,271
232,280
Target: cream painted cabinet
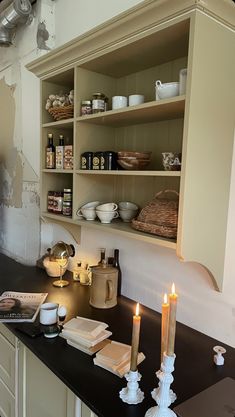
x,y
28,388
126,55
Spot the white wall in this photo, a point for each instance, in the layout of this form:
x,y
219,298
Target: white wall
x,y
148,270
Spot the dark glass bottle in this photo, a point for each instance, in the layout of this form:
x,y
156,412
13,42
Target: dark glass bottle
x,y
102,256
50,153
117,265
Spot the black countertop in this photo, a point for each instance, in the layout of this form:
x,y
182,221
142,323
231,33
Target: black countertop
x,y
99,389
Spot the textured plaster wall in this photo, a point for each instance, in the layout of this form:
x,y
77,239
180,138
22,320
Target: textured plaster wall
x,y
148,270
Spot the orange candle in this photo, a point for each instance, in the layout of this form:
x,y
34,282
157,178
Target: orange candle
x,y
172,321
135,339
164,327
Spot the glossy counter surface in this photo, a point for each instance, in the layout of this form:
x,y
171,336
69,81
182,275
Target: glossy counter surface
x,y
99,389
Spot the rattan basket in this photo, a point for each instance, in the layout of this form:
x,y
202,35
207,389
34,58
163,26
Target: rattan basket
x,y
159,216
60,113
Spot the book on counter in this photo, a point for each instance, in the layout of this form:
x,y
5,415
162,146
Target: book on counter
x,y
20,306
115,358
87,335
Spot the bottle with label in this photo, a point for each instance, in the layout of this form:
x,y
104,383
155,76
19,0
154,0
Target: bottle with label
x,y
59,151
117,265
50,152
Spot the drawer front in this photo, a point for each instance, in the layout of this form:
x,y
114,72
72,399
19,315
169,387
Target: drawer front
x,y
7,402
7,363
7,334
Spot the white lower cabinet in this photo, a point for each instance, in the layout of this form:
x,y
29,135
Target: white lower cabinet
x,y
28,388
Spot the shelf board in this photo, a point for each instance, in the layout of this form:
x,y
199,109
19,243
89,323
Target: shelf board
x,y
58,171
117,226
125,229
60,123
130,173
152,111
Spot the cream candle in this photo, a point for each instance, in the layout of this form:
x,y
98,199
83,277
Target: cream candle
x,y
172,321
164,325
135,339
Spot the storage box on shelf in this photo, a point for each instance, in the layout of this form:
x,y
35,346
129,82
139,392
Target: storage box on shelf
x,y
126,56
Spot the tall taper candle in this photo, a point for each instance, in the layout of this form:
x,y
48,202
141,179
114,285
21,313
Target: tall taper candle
x,y
135,339
164,328
172,321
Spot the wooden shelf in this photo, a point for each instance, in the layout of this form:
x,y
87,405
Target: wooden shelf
x,y
153,111
67,123
67,222
130,173
58,171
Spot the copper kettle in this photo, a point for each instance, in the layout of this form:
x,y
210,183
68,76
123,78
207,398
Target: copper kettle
x,y
103,292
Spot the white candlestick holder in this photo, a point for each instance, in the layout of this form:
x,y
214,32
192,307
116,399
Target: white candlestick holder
x,y
163,395
132,394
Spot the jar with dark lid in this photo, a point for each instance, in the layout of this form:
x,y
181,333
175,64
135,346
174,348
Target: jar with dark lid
x,y
98,103
50,201
67,208
67,194
86,107
58,202
96,161
102,160
110,160
86,160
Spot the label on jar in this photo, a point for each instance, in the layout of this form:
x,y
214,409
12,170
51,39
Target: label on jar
x,y
58,203
50,162
83,162
102,162
98,104
96,162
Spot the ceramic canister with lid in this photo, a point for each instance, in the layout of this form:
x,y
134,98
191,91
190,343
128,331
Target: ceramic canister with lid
x,y
103,292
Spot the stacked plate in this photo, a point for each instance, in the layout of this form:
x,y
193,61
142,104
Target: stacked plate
x,y
133,160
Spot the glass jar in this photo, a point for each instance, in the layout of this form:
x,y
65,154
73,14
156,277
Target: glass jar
x,y
86,107
67,208
67,195
50,201
58,202
98,103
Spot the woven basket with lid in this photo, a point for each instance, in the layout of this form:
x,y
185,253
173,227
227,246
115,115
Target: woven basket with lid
x,y
159,216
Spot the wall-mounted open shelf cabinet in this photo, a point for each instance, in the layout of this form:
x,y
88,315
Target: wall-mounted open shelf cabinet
x,y
126,56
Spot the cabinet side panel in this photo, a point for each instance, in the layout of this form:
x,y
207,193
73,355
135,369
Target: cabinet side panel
x,y
207,146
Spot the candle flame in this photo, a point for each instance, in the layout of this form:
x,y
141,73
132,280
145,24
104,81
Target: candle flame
x,y
165,298
137,310
173,288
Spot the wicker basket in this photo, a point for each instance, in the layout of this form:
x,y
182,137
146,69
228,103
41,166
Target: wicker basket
x,y
160,216
60,113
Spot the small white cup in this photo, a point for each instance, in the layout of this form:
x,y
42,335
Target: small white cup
x,y
136,99
107,216
88,210
107,207
118,102
48,313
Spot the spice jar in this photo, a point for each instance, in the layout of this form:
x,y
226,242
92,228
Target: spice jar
x,y
98,102
67,195
67,208
86,107
86,160
58,202
50,201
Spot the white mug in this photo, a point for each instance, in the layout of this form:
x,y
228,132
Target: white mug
x,y
48,313
118,102
107,207
136,99
107,216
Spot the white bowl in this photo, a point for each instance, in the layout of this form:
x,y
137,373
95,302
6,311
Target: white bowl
x,y
107,216
127,205
166,90
127,214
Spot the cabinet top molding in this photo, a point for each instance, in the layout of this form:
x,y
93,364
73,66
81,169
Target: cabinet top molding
x,y
134,23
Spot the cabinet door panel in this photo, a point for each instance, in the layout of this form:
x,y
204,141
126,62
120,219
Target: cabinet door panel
x,y
7,402
86,412
7,363
7,334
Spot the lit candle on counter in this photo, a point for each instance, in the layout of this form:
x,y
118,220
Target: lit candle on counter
x,y
164,328
172,321
135,339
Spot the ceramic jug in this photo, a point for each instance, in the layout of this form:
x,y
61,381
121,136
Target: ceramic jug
x,y
104,286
